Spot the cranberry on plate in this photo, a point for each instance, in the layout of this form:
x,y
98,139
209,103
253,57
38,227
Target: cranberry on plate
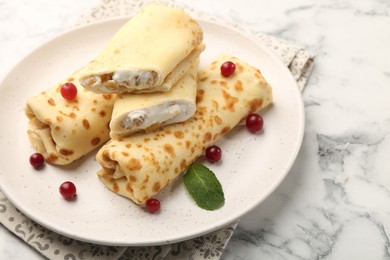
x,y
254,123
68,190
152,205
37,161
213,153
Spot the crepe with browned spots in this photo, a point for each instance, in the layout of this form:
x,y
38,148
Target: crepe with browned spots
x,y
62,130
140,165
148,111
147,54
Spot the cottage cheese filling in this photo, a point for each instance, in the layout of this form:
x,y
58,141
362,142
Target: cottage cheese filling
x,y
162,114
121,79
137,78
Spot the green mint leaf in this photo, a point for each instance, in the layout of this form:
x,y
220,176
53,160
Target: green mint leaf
x,y
204,187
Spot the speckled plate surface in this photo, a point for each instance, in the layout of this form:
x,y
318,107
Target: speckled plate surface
x,y
251,168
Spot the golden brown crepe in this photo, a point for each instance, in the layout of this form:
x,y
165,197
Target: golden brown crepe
x,y
140,165
148,54
62,130
134,112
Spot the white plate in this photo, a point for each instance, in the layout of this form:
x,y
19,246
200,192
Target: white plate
x,y
253,165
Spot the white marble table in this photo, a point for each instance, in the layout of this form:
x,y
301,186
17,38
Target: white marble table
x,y
335,202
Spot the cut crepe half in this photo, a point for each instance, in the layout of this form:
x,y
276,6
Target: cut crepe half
x,y
134,112
62,130
148,54
140,165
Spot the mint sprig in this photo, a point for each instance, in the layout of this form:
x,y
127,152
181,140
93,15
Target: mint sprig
x,y
204,187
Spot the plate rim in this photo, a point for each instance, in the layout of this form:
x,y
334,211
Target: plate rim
x,y
219,224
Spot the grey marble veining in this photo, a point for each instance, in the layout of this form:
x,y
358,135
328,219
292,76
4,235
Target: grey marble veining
x,y
335,202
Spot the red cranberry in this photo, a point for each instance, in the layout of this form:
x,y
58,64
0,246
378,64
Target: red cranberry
x,y
213,153
254,123
37,161
152,205
228,68
68,91
68,190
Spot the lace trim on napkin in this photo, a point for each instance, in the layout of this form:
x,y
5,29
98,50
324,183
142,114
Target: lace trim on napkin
x,y
56,246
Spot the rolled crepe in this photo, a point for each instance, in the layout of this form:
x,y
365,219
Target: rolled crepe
x,y
148,54
134,112
140,165
62,130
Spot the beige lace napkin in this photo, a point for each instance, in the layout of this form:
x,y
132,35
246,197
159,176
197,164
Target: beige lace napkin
x,y
210,246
